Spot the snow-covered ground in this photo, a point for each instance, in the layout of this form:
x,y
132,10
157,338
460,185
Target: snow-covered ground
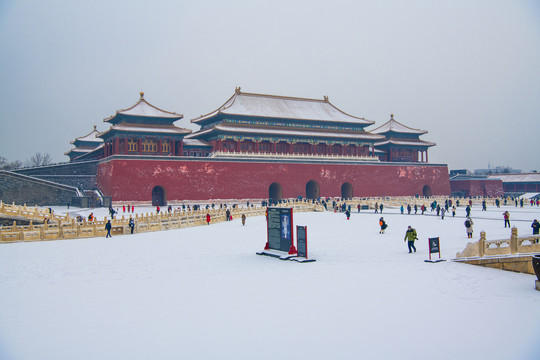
x,y
203,293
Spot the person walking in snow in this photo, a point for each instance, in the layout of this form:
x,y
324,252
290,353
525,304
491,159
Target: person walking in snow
x,y
376,208
381,207
131,224
415,209
409,208
468,211
453,211
227,215
108,227
401,209
243,219
484,206
506,215
410,237
469,227
208,218
383,225
348,213
535,226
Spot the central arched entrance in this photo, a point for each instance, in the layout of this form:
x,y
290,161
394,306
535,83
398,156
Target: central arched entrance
x,y
158,196
275,193
426,191
346,191
312,190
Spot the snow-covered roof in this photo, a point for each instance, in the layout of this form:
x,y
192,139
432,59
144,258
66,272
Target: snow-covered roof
x,y
271,106
530,177
145,109
411,142
288,132
160,129
397,127
91,137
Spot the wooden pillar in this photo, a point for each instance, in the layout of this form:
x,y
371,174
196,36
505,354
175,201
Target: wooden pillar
x,y
182,147
426,156
173,147
257,146
126,148
274,147
139,144
159,146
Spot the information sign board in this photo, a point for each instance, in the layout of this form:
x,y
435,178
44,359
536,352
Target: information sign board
x,y
301,241
280,225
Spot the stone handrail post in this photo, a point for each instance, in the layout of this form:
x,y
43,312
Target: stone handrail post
x,y
513,241
482,244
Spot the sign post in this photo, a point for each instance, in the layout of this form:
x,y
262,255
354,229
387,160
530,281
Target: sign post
x,y
301,244
434,247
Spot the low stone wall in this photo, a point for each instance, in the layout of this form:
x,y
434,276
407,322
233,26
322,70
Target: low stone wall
x,y
22,189
518,263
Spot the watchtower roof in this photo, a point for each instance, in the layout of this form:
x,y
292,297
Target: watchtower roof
x,y
396,127
143,109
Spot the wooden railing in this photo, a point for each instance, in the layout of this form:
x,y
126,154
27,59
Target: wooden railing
x,y
513,246
64,227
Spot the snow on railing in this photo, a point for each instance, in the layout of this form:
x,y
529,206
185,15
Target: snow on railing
x,y
514,245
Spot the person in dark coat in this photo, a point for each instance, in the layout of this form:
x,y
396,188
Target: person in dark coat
x,y
108,227
381,207
228,215
535,226
409,208
383,225
131,224
243,219
348,214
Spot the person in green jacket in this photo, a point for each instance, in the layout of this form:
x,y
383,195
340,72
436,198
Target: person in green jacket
x,y
410,236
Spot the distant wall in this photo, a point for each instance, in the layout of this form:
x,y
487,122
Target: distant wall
x,y
477,187
22,189
128,178
81,175
79,168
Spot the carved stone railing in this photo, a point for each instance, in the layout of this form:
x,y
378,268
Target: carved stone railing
x,y
513,246
63,227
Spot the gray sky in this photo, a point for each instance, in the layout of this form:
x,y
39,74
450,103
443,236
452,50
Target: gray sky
x,y
467,71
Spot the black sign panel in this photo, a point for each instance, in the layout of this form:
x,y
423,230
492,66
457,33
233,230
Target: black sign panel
x,y
434,245
280,236
301,241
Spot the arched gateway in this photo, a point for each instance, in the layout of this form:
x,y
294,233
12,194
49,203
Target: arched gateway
x,y
275,192
312,190
346,191
158,196
426,191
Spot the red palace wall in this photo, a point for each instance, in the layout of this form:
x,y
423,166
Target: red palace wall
x,y
477,187
128,179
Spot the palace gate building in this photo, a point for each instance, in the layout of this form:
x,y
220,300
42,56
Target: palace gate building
x,y
260,147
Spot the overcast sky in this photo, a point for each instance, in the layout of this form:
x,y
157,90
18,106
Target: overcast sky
x,y
467,71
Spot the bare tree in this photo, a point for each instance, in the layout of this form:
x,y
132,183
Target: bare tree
x,y
5,165
39,159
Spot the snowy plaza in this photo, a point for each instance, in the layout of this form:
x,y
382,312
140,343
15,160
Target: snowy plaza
x,y
203,293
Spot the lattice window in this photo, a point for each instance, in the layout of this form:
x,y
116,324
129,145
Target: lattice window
x,y
133,145
149,145
165,146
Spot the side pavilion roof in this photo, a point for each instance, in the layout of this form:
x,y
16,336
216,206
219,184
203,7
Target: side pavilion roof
x,y
143,109
281,107
396,127
92,137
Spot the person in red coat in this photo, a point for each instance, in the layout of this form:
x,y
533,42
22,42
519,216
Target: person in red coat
x,y
208,218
